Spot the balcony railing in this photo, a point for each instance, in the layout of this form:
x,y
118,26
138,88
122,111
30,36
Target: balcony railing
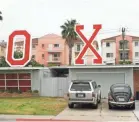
x,y
125,47
54,59
55,49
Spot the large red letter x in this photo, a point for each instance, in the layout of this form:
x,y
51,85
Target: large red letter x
x,y
88,43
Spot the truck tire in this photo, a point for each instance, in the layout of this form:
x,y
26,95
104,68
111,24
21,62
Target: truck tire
x,y
96,106
100,99
110,107
133,107
71,105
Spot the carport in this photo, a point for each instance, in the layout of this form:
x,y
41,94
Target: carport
x,y
103,75
21,78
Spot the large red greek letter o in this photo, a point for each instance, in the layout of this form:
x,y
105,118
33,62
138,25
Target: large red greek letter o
x,y
27,49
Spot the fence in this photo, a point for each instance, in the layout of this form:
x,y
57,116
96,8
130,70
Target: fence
x,y
54,86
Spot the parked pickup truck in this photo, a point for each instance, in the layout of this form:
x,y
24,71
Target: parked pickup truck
x,y
84,92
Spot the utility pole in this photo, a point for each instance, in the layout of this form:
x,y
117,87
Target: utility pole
x,y
123,36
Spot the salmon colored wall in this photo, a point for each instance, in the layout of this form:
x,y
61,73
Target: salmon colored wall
x,y
51,39
129,39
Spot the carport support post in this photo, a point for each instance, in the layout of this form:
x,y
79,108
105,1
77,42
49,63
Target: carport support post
x,y
18,80
5,80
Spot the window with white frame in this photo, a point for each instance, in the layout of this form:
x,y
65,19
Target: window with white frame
x,y
56,55
136,54
56,45
109,55
78,47
136,43
42,56
107,44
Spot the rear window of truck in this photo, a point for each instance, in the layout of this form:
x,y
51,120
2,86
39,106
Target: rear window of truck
x,y
80,87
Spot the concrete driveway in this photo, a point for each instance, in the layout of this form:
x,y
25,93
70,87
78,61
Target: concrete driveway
x,y
102,114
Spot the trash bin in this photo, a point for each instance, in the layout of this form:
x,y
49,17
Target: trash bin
x,y
137,95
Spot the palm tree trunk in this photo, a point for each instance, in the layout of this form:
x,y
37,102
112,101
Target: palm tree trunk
x,y
70,55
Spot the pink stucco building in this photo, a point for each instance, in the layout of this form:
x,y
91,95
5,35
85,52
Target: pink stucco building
x,y
51,49
112,49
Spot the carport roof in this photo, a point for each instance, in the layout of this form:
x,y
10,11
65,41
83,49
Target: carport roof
x,y
22,68
69,67
95,66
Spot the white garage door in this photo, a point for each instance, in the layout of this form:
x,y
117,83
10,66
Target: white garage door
x,y
103,79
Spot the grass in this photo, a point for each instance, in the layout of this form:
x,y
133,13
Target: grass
x,y
32,106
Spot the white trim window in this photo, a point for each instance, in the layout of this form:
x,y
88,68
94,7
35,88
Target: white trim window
x,y
107,44
137,54
109,55
56,45
136,43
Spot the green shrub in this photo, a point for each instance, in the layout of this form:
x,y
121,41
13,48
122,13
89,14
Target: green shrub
x,y
2,90
19,91
52,64
121,62
29,91
10,91
128,62
35,91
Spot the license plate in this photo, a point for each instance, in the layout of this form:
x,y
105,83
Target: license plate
x,y
80,95
121,99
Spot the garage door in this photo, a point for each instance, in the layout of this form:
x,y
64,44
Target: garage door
x,y
103,79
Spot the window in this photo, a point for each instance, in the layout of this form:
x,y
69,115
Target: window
x,y
122,55
107,44
43,56
78,47
2,50
126,55
56,55
94,85
108,55
33,56
56,45
136,54
42,45
81,86
136,43
123,44
33,46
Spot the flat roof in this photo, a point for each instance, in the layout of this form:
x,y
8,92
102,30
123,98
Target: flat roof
x,y
22,68
70,67
94,66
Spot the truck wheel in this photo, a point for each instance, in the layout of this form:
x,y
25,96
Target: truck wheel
x,y
99,99
96,106
71,105
133,107
110,107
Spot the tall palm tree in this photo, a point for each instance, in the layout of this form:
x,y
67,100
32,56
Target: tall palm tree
x,y
1,18
69,34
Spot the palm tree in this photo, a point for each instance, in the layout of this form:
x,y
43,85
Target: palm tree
x,y
1,18
69,34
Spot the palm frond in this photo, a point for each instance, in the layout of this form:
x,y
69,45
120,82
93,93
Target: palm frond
x,y
1,18
68,32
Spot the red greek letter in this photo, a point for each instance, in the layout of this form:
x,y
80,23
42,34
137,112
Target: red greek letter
x,y
27,49
88,43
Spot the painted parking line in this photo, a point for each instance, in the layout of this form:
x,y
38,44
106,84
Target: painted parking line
x,y
48,120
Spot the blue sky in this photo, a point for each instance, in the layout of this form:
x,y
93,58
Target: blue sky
x,y
40,17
